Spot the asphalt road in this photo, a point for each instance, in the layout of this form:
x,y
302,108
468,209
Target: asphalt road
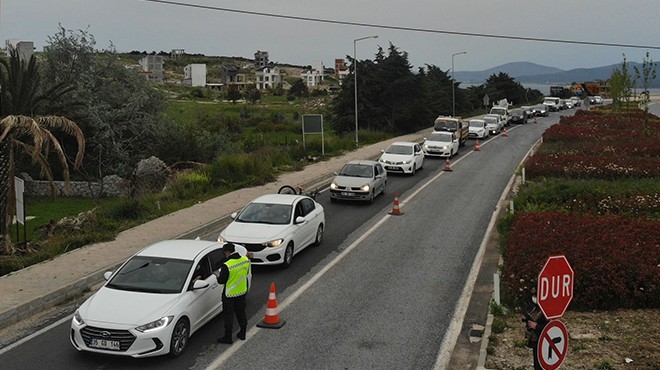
x,y
380,291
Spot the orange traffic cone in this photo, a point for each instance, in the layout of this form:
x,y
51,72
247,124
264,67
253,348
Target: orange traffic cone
x,y
447,166
506,132
476,146
272,318
395,209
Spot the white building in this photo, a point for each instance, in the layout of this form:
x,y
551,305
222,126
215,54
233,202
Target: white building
x,y
268,77
194,75
313,75
24,48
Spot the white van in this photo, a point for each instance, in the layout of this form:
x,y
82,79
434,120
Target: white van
x,y
553,103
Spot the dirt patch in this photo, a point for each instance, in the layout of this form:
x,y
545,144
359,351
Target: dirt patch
x,y
626,339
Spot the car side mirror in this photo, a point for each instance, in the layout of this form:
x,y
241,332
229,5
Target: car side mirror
x,y
299,220
200,284
107,275
233,215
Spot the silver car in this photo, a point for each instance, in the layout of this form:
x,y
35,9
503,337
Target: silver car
x,y
359,180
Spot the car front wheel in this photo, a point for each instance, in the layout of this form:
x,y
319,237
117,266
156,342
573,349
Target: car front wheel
x,y
288,255
180,336
319,235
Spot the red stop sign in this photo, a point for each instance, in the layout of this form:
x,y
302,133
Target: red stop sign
x,y
555,287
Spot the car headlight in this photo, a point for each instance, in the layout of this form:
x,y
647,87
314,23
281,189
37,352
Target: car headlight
x,y
274,243
221,239
155,325
365,187
426,146
333,186
445,147
77,319
406,162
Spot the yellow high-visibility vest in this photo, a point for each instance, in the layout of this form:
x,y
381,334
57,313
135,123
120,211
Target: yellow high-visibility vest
x,y
237,284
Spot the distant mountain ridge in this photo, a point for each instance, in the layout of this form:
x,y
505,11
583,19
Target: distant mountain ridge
x,y
526,72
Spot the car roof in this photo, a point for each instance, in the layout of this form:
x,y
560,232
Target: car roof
x,y
363,161
179,249
404,143
278,199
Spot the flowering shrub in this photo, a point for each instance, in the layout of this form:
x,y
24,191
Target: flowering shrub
x,y
588,167
616,260
594,197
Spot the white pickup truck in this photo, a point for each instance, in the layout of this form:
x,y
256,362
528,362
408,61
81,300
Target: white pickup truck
x,y
503,112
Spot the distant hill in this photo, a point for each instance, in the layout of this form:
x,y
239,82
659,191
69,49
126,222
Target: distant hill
x,y
515,70
525,72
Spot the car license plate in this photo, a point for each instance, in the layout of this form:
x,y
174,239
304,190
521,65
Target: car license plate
x,y
105,344
347,194
391,168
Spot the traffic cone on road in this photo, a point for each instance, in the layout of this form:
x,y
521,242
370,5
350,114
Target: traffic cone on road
x,y
506,132
395,209
272,318
476,146
447,166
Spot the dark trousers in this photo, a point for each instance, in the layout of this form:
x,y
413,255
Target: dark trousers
x,y
537,365
230,307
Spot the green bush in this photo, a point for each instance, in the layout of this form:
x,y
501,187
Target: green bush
x,y
189,185
243,169
127,209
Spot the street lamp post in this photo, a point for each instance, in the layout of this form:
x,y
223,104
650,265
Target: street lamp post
x,y
355,81
453,82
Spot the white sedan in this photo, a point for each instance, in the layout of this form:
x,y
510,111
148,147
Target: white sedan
x,y
402,157
359,180
441,144
154,302
276,227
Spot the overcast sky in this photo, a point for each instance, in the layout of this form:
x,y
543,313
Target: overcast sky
x,y
149,26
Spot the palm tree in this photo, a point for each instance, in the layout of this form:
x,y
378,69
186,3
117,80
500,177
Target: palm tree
x,y
22,130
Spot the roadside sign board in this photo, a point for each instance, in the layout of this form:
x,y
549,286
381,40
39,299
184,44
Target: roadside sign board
x,y
555,287
553,345
19,188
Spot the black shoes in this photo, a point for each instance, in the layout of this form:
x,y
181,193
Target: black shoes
x,y
225,340
241,335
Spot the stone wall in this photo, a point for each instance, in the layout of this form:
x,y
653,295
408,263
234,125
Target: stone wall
x,y
111,186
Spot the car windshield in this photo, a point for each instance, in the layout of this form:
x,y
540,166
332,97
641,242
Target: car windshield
x,y
445,125
400,149
437,136
476,123
357,170
490,120
517,112
499,111
266,213
151,275
540,107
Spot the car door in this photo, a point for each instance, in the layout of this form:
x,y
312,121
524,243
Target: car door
x,y
205,302
306,230
419,156
381,178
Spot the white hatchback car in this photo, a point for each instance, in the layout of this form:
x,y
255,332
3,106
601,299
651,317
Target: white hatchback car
x,y
493,124
359,180
440,144
402,157
276,227
154,302
478,129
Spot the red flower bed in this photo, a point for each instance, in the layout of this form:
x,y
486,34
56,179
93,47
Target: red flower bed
x,y
616,260
591,167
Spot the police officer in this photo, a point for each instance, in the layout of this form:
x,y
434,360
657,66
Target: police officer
x,y
234,275
535,322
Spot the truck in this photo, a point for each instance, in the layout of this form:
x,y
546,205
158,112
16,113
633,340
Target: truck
x,y
503,112
453,124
